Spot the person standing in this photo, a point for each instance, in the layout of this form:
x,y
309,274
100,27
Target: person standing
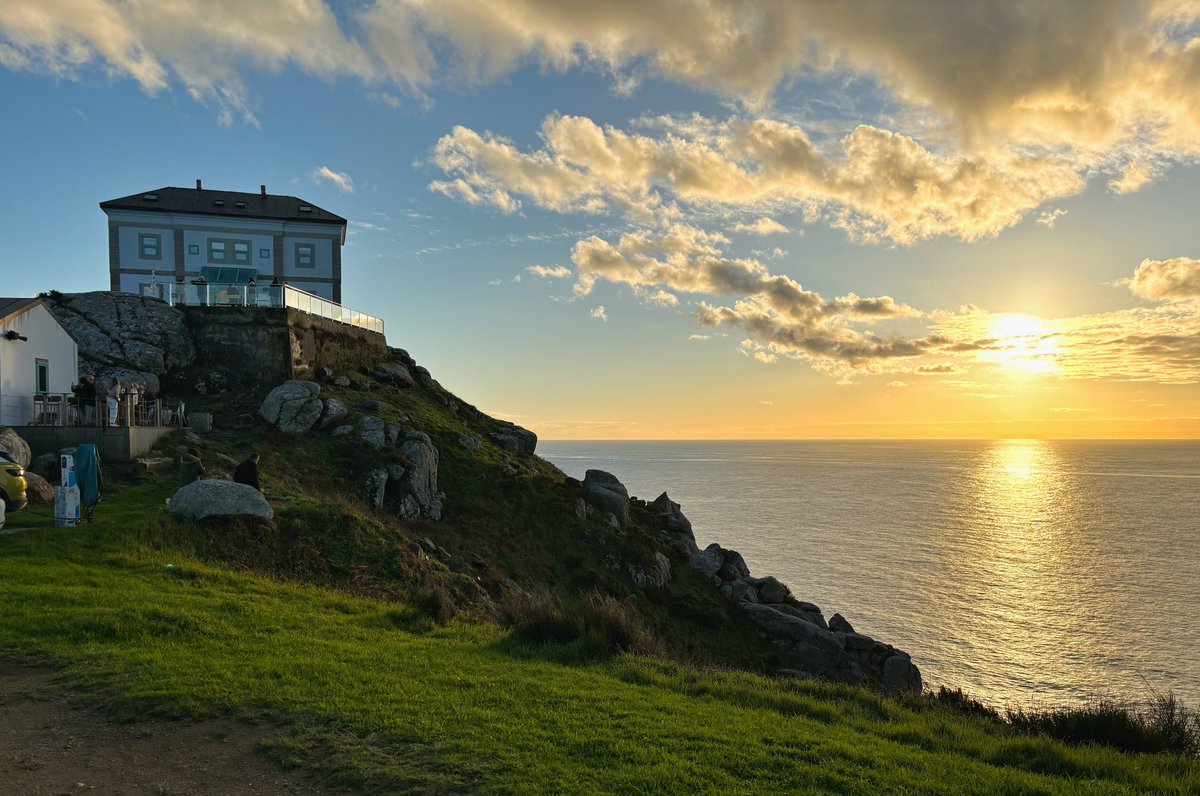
x,y
87,399
113,400
247,472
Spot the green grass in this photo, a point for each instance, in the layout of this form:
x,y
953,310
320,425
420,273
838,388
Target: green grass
x,y
379,697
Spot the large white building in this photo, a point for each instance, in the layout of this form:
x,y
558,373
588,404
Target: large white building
x,y
181,234
37,358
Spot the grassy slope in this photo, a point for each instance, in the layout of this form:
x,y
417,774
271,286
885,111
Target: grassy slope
x,y
378,696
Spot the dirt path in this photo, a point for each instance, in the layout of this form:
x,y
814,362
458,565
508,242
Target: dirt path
x,y
49,746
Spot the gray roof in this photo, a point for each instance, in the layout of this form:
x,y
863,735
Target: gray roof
x,y
15,306
224,203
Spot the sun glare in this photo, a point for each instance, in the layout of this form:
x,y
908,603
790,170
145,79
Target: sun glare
x,y
1023,344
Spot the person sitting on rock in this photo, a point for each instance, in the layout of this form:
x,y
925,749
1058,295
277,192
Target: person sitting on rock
x,y
247,472
190,467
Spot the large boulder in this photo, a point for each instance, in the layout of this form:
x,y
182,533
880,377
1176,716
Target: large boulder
x,y
39,490
293,406
515,439
418,483
605,491
12,444
653,577
335,413
395,373
371,431
200,500
900,674
133,338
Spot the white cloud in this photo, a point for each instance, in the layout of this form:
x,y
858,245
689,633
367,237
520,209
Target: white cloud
x,y
767,403
1166,280
763,226
338,178
700,337
1048,218
557,272
599,313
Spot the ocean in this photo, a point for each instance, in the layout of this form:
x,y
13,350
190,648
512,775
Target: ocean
x,y
1026,572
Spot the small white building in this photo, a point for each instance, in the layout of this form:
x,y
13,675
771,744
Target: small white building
x,y
169,235
37,357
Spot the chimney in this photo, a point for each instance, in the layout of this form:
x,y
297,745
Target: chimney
x,y
199,185
263,189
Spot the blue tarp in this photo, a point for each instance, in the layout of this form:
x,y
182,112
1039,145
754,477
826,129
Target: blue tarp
x,y
87,475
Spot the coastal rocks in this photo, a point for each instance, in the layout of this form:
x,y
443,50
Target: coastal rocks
x,y
371,431
293,406
335,412
14,446
900,674
515,439
675,529
376,487
838,624
604,491
201,500
770,590
708,560
119,334
654,577
395,373
420,490
469,441
342,430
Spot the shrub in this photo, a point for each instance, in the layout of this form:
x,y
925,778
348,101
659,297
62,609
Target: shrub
x,y
1164,725
598,624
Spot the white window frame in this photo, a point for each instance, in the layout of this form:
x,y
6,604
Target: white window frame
x,y
156,244
306,251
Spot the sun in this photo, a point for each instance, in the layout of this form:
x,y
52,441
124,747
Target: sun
x,y
1022,344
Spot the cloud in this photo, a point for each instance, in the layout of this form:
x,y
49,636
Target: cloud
x,y
767,403
763,226
599,313
1137,174
1166,280
700,337
875,184
938,369
1048,218
339,178
897,384
367,225
557,272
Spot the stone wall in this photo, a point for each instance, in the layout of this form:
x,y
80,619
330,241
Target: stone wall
x,y
258,345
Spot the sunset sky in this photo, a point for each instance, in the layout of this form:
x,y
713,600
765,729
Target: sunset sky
x,y
676,219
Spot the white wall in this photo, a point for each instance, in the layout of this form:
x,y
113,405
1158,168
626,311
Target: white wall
x,y
18,376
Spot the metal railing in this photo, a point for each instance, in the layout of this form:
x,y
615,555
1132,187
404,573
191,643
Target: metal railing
x,y
216,294
130,409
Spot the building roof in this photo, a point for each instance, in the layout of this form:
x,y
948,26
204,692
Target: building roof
x,y
10,307
224,203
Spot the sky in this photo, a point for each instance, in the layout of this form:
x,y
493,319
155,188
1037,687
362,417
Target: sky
x,y
688,219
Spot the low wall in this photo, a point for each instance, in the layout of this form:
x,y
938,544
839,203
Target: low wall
x,y
263,346
115,444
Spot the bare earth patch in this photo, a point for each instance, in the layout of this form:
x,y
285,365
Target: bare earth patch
x,y
49,746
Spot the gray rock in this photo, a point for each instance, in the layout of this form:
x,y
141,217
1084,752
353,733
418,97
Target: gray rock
x,y
47,465
376,487
213,498
901,674
789,629
515,439
581,508
607,493
420,490
341,381
342,431
39,490
391,432
740,591
838,624
370,430
375,406
293,406
232,462
395,373
856,641
734,567
770,590
422,375
134,338
508,471
200,422
657,577
469,441
709,560
12,444
335,412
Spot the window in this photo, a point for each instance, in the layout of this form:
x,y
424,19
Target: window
x,y
241,251
193,248
264,254
306,255
228,275
42,376
149,246
216,250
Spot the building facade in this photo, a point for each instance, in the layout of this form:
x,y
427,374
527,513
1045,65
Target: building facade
x,y
175,235
37,358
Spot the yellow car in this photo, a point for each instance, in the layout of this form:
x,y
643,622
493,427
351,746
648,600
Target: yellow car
x,y
12,483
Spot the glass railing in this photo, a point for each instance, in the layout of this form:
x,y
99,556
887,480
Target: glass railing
x,y
214,294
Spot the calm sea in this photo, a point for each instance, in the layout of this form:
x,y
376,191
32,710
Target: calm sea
x,y
1019,570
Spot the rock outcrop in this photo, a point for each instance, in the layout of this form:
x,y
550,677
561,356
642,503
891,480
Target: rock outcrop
x,y
132,338
335,412
12,444
515,439
293,406
200,500
606,492
418,483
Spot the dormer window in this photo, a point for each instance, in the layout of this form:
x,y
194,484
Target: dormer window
x,y
218,202
242,205
305,208
149,197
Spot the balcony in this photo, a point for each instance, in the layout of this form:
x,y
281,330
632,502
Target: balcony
x,y
240,294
